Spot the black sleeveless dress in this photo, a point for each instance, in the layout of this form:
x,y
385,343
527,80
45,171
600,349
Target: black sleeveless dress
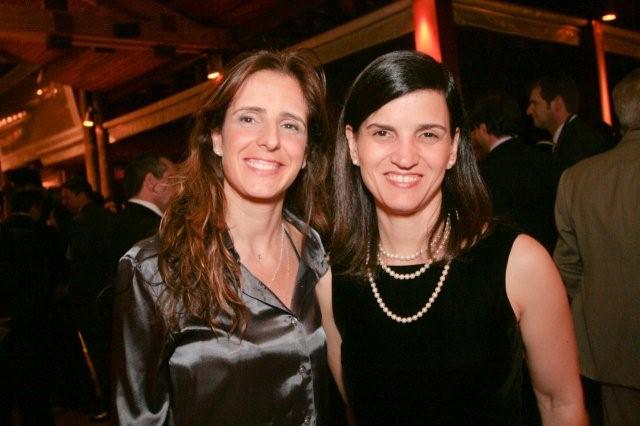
x,y
460,364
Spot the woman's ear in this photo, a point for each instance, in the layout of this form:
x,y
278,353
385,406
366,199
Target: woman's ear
x,y
353,145
453,155
216,139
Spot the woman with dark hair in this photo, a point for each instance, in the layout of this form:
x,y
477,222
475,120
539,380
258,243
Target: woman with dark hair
x,y
436,306
216,318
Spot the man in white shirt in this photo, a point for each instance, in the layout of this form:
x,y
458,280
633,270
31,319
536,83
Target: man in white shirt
x,y
553,105
147,183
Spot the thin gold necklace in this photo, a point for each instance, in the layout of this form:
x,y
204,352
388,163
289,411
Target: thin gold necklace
x,y
275,273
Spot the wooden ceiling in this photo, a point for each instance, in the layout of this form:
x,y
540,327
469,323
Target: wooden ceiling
x,y
101,45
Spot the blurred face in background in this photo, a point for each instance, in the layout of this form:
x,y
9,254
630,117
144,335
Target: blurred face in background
x,y
73,202
539,110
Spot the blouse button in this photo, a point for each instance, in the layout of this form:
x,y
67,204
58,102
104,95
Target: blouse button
x,y
294,321
307,420
302,370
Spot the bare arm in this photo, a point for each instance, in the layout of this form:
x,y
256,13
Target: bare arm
x,y
334,341
536,293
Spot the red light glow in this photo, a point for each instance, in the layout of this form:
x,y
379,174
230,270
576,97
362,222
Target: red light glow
x,y
425,24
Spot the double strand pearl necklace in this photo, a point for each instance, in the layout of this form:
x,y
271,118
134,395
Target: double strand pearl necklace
x,y
434,294
390,255
421,312
423,269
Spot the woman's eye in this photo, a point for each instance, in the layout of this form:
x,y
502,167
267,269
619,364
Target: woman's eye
x,y
430,136
381,133
292,126
247,119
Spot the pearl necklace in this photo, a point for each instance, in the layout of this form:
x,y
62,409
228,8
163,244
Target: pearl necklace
x,y
399,276
423,269
421,312
390,255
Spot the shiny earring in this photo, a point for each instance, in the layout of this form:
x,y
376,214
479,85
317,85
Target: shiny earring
x,y
355,163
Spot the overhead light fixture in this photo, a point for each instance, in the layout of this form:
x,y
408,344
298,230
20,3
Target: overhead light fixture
x,y
214,67
88,118
608,11
40,82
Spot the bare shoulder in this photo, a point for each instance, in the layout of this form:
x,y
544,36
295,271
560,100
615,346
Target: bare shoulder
x,y
531,275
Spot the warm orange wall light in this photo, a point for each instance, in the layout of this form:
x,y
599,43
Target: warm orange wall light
x,y
425,24
603,84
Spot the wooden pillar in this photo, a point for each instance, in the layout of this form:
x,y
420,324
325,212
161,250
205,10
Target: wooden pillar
x,y
4,202
102,144
603,83
89,142
588,80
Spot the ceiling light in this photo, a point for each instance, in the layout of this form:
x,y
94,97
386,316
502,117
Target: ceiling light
x,y
88,118
214,67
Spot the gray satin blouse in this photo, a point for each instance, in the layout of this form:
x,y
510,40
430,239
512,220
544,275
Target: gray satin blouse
x,y
276,374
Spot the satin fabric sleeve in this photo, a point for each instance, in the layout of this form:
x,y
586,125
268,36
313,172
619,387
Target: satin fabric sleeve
x,y
141,384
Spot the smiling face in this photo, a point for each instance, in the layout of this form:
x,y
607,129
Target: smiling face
x,y
403,150
263,138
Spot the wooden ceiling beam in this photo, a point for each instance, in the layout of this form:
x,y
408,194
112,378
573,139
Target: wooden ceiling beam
x,y
151,9
278,15
16,75
86,30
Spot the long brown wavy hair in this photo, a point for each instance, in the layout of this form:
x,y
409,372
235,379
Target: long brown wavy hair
x,y
196,259
465,200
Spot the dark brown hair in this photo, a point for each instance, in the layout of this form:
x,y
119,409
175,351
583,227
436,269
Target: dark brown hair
x,y
196,260
559,84
465,200
137,169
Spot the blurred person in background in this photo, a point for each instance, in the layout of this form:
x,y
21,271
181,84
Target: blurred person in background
x,y
25,298
597,253
147,186
90,254
553,105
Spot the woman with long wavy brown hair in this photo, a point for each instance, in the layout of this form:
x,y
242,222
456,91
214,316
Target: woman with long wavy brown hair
x,y
216,318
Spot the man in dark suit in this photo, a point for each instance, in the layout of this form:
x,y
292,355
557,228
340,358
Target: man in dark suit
x,y
90,256
147,184
520,179
553,105
25,281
